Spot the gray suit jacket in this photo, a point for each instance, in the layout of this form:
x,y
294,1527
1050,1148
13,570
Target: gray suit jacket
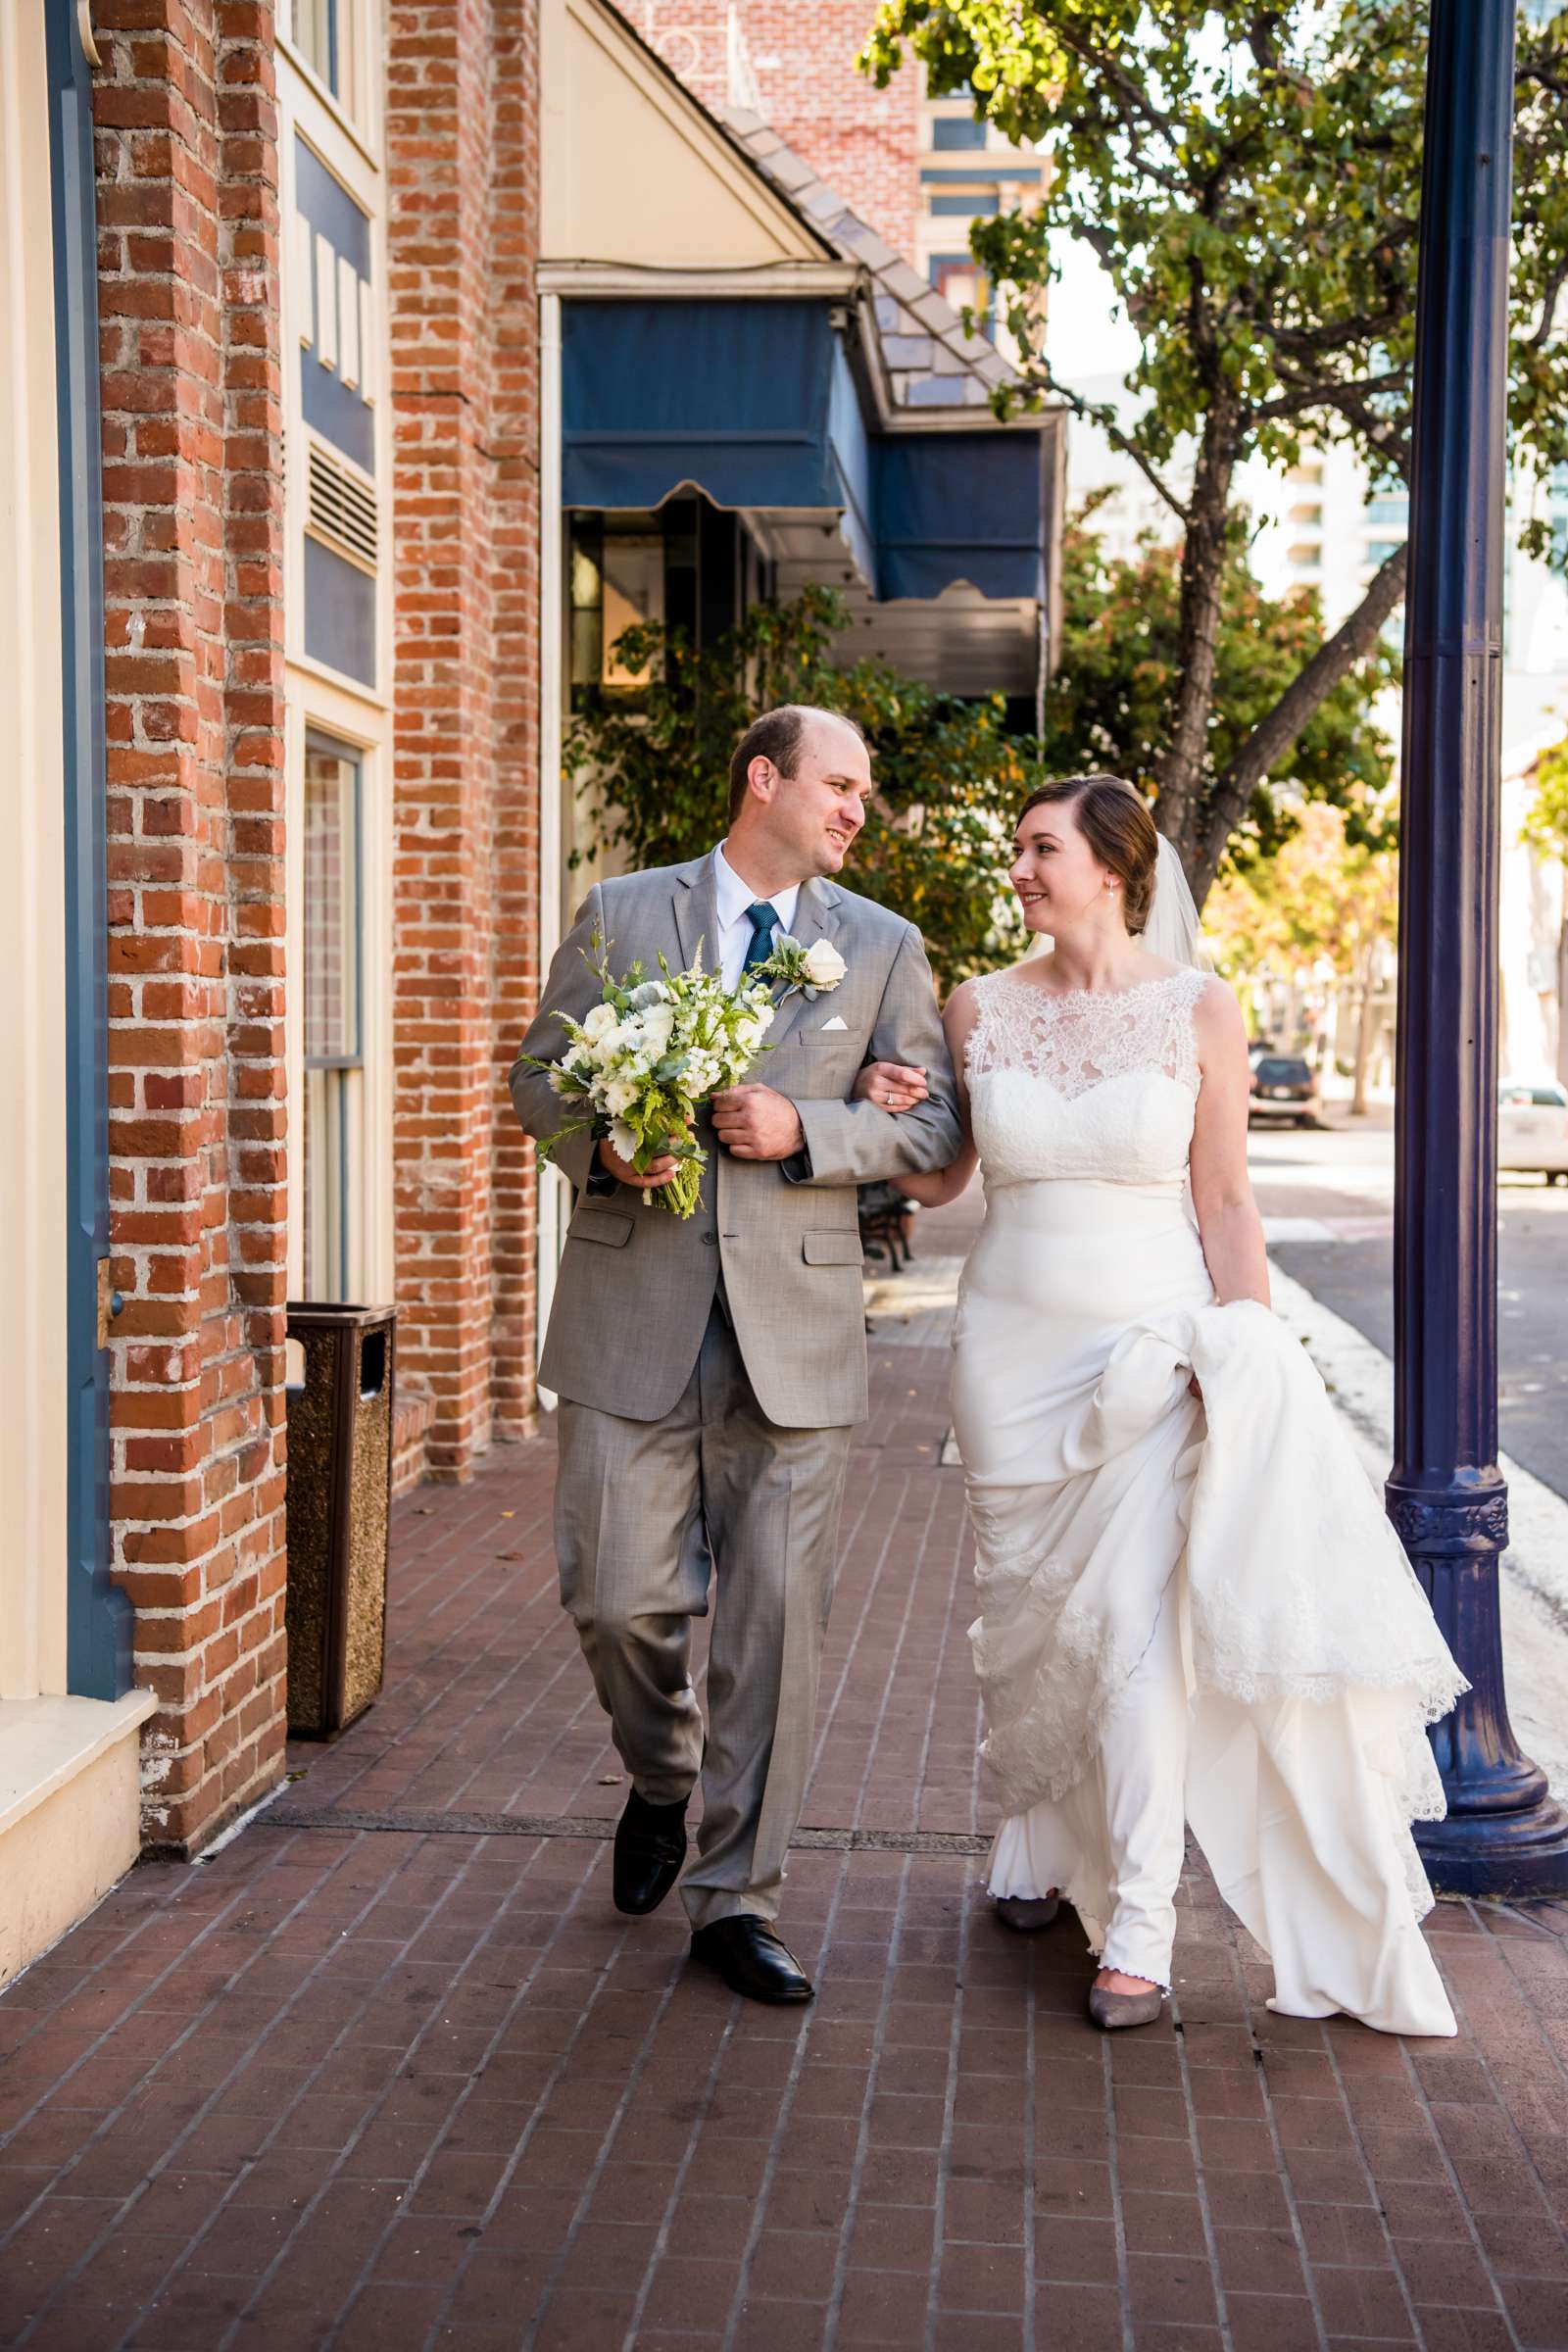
x,y
636,1283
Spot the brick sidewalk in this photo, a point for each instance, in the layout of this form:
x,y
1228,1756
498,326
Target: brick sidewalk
x,y
390,2070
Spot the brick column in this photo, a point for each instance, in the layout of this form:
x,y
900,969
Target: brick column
x,y
515,637
462,234
188,294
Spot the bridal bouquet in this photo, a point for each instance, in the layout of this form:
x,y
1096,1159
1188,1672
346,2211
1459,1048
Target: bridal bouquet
x,y
649,1052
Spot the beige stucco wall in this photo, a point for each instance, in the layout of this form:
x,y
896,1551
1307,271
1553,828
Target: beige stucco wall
x,y
632,171
33,898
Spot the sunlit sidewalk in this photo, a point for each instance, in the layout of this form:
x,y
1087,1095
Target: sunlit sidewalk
x,y
390,2070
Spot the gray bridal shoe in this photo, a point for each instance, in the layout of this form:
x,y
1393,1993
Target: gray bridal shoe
x,y
1114,2010
1027,1912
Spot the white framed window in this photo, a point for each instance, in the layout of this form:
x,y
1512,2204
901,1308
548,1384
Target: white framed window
x,y
333,984
337,599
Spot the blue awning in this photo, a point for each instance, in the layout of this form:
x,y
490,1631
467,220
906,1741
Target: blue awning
x,y
754,403
750,402
961,505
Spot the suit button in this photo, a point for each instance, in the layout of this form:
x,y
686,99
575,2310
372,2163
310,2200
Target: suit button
x,y
711,1240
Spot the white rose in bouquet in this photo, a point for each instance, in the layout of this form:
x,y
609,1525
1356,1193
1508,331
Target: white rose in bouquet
x,y
643,1060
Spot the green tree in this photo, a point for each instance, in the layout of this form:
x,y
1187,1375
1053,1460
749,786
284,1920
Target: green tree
x,y
1325,896
1108,702
949,776
654,767
1250,177
1546,827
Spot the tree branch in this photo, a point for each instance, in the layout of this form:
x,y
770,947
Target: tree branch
x,y
1044,378
1555,281
1274,735
1115,76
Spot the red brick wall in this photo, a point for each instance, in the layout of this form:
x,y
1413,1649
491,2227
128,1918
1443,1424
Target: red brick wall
x,y
461,158
187,208
864,141
515,637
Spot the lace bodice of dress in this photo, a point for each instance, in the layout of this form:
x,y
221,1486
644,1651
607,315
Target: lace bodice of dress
x,y
1092,1085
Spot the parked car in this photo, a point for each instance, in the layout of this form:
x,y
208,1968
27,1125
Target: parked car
x,y
1532,1127
1284,1088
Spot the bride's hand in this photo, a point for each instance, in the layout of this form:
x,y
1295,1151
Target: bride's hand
x,y
890,1086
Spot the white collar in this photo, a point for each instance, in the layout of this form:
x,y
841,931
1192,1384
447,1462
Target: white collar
x,y
735,896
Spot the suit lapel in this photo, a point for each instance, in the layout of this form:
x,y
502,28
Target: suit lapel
x,y
696,909
817,916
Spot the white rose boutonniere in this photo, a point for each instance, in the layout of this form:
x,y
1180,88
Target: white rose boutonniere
x,y
812,970
823,966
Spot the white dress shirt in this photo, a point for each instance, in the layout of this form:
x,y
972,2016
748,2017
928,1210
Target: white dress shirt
x,y
734,924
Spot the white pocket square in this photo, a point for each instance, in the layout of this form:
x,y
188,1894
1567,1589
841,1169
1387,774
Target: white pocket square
x,y
837,1022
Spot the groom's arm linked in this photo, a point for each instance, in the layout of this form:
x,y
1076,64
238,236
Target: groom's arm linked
x,y
859,1142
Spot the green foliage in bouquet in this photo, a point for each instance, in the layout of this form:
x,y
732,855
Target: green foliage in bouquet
x,y
643,1060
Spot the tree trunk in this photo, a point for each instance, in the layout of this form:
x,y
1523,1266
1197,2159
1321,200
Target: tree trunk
x,y
1179,768
1274,735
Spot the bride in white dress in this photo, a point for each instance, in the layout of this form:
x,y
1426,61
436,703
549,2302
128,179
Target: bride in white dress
x,y
1191,1606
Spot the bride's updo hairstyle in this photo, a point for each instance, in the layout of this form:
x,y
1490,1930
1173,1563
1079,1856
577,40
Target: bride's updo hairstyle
x,y
1113,818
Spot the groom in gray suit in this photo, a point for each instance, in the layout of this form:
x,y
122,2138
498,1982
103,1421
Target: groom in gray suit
x,y
710,1369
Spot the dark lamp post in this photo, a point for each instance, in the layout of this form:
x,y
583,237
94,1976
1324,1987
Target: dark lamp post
x,y
1504,1835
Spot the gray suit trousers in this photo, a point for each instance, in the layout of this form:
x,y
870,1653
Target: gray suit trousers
x,y
642,1510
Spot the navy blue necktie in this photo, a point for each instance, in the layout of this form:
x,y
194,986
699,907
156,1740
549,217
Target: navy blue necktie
x,y
763,914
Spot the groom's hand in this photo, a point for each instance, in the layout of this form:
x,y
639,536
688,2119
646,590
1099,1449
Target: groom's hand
x,y
654,1177
754,1123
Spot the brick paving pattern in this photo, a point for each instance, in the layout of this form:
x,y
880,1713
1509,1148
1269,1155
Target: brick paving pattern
x,y
418,2084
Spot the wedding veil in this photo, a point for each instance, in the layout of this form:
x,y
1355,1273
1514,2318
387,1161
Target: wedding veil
x,y
1172,928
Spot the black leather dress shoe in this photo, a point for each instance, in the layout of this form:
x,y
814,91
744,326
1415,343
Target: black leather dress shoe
x,y
752,1959
650,1848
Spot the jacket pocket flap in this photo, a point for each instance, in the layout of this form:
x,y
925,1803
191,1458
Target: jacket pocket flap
x,y
831,1248
607,1225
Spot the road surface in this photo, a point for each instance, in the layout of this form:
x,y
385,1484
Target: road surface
x,y
1328,1207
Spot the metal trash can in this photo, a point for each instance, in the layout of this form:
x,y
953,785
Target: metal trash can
x,y
339,1503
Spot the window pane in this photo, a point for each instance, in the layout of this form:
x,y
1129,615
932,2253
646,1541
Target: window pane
x,y
333,1079
957,130
315,34
956,206
332,904
633,591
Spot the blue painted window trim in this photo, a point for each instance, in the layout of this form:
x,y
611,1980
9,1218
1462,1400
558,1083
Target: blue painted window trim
x,y
98,1614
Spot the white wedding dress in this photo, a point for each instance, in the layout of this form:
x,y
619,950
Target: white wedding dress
x,y
1183,1606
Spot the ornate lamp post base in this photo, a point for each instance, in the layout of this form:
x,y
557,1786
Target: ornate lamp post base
x,y
1505,1836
